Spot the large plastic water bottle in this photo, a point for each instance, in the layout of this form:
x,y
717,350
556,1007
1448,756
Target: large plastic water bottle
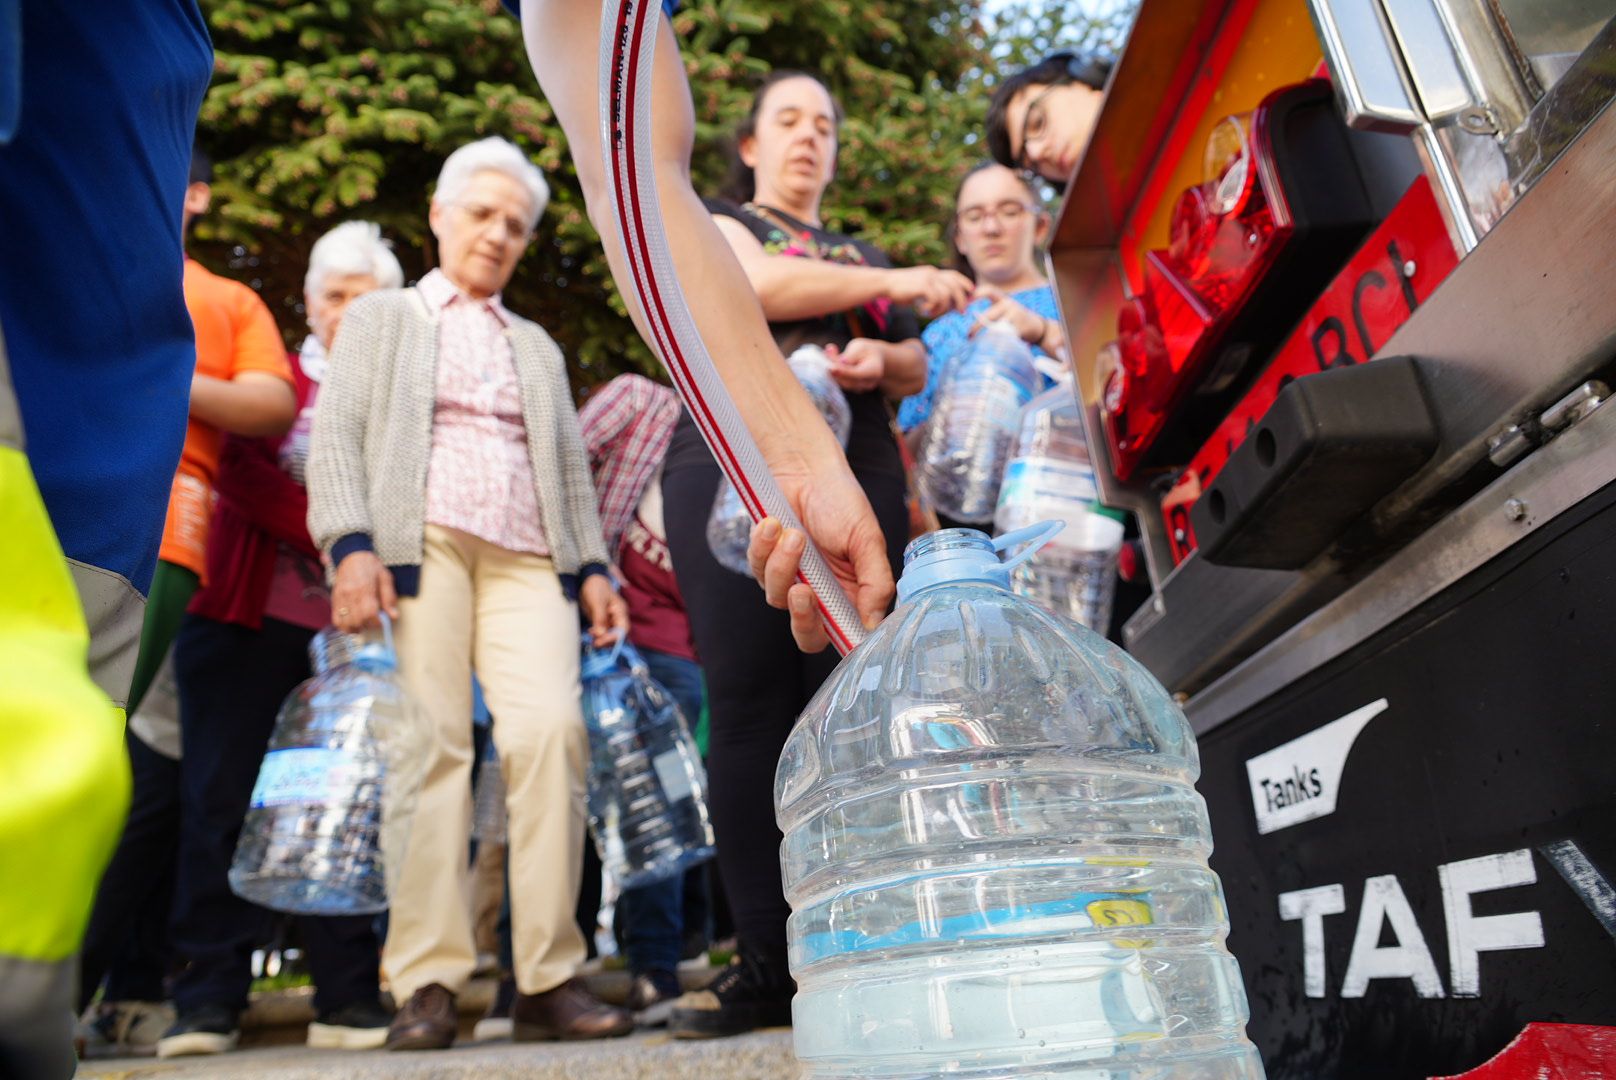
x,y
1051,477
329,816
967,443
994,851
647,789
729,529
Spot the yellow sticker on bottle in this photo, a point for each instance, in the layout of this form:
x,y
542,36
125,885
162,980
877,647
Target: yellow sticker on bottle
x,y
1119,913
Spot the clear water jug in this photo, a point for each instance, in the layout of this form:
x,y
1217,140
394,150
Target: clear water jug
x,y
647,788
967,443
1051,477
330,814
994,851
729,529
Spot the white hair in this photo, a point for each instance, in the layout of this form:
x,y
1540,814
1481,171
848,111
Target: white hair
x,y
492,154
354,247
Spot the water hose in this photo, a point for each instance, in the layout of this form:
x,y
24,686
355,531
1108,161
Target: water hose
x,y
627,47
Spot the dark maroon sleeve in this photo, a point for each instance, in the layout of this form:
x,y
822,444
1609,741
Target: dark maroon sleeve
x,y
255,486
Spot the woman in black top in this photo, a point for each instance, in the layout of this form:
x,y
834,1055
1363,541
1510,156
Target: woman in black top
x,y
831,290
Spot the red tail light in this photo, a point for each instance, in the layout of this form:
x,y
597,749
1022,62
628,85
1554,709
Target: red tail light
x,y
1224,234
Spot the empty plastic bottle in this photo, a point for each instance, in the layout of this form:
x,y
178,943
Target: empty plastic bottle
x,y
1051,477
647,788
967,443
330,813
729,529
994,851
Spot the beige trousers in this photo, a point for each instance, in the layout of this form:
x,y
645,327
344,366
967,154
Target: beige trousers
x,y
502,613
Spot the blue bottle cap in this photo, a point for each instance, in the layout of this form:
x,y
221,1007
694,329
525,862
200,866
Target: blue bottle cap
x,y
952,556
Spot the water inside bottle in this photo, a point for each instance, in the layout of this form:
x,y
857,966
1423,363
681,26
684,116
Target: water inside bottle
x,y
329,815
994,852
647,788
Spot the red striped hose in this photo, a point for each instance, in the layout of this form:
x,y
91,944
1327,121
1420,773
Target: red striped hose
x,y
628,43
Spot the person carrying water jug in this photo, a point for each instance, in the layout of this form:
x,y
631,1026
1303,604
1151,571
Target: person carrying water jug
x,y
449,488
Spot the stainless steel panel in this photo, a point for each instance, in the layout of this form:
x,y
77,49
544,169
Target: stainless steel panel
x,y
1521,321
1367,69
1428,55
1552,33
1546,484
1585,88
1499,77
1205,618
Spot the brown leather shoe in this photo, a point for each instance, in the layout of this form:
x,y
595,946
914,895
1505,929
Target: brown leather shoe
x,y
427,1021
567,1012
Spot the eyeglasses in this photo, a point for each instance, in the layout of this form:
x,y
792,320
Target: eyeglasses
x,y
1006,213
1035,127
484,216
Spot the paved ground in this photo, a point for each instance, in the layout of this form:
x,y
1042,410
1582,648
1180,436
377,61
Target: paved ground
x,y
764,1055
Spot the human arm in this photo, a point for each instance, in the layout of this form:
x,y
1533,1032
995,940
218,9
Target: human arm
x,y
792,288
257,398
609,412
804,456
897,368
338,483
251,403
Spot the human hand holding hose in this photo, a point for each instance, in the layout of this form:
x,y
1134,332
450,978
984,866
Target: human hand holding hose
x,y
836,515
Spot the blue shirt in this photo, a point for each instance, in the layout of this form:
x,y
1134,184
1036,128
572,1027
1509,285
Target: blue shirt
x,y
948,334
91,303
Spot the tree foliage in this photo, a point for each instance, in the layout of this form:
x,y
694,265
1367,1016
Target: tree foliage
x,y
322,112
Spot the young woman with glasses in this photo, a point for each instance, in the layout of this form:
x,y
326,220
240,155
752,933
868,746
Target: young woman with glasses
x,y
997,231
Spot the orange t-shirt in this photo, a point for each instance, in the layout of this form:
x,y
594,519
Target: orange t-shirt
x,y
234,333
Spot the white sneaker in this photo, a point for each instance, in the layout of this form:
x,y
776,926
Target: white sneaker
x,y
360,1026
496,1022
211,1029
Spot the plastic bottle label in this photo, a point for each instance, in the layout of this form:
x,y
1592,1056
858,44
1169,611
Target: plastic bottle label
x,y
675,777
1026,479
298,775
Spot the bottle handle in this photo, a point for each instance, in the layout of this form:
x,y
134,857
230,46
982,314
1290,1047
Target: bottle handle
x,y
617,647
1031,538
1053,370
387,632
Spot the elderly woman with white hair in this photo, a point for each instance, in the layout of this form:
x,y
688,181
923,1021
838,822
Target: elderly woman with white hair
x,y
449,487
241,649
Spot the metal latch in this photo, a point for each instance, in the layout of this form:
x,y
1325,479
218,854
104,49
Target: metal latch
x,y
1509,444
1576,406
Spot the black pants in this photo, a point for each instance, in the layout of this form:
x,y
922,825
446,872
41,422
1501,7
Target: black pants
x,y
232,681
126,942
758,681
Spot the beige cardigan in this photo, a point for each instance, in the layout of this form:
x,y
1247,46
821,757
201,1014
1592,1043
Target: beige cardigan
x,y
372,438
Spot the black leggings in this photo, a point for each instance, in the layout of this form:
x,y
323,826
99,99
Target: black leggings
x,y
758,681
